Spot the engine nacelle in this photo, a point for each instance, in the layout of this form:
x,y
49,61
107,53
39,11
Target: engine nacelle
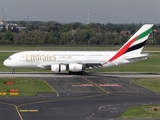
x,y
73,67
58,68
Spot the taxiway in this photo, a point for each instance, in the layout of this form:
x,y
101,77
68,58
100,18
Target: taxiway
x,y
91,96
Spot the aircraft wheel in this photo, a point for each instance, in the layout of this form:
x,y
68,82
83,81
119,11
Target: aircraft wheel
x,y
13,71
70,72
83,72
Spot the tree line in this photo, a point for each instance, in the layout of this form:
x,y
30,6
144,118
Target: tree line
x,y
54,33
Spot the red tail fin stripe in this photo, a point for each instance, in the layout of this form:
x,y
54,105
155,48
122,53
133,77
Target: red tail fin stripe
x,y
123,50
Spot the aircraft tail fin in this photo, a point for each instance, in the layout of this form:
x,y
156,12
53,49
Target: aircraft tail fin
x,y
136,43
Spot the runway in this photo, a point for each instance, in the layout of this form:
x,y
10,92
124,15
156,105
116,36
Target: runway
x,y
88,74
79,97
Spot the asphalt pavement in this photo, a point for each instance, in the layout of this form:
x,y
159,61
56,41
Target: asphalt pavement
x,y
79,98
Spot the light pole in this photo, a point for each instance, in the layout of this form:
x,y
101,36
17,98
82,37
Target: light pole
x,y
28,16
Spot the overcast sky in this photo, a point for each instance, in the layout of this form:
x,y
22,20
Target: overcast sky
x,y
65,11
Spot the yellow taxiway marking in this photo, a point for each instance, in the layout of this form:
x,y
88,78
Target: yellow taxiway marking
x,y
96,85
32,110
62,99
18,112
15,108
28,110
52,88
47,101
23,110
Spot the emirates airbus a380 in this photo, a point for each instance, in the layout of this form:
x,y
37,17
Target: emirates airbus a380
x,y
78,61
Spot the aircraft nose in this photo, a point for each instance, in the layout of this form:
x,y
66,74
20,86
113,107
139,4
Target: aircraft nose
x,y
6,63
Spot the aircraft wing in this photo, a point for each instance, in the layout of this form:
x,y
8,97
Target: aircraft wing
x,y
87,64
44,65
93,65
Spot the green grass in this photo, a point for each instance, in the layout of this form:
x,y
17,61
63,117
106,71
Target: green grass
x,y
142,112
25,86
77,48
145,111
150,83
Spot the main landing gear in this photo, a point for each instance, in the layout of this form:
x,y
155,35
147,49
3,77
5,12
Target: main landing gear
x,y
13,71
77,73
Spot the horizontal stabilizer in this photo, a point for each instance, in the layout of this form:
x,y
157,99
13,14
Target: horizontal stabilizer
x,y
137,58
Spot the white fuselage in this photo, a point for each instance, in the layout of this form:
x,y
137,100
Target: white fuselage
x,y
31,59
66,60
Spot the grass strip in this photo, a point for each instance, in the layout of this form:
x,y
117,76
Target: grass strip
x,y
75,48
146,111
150,83
142,112
25,86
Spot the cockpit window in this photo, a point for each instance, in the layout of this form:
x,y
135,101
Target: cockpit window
x,y
9,58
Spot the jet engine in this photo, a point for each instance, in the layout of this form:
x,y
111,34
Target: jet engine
x,y
74,67
58,68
